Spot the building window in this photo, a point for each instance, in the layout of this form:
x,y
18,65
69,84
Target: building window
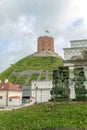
x,y
10,99
1,97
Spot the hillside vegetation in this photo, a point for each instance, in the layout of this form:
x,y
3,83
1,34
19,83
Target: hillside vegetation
x,y
14,73
46,116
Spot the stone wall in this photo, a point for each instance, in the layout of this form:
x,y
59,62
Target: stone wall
x,y
45,44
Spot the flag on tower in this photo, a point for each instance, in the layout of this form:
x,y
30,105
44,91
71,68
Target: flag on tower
x,y
46,31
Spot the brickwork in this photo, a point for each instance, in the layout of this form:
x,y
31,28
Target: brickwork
x,y
45,44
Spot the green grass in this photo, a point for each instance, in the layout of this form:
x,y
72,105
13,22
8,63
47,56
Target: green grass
x,y
45,63
32,63
13,78
33,77
52,115
22,80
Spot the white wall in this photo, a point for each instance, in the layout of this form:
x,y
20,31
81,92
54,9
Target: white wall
x,y
79,43
69,53
3,100
76,49
42,84
15,101
42,93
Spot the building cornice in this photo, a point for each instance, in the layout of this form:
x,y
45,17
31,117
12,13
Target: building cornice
x,y
75,48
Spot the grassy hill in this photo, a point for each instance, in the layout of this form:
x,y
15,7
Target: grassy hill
x,y
46,116
20,71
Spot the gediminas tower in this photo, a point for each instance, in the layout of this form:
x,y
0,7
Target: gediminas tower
x,y
45,47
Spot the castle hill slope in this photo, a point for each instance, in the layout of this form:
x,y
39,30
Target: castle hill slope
x,y
31,66
46,116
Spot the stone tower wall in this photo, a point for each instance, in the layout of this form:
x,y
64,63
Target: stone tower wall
x,y
45,44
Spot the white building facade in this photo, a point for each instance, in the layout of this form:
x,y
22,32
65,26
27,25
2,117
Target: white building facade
x,y
75,51
40,91
10,95
72,54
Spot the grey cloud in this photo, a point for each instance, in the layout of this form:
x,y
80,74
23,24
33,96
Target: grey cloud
x,y
23,21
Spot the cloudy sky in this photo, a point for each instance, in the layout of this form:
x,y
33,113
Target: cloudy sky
x,y
23,21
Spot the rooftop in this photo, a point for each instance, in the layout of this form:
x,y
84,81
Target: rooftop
x,y
9,86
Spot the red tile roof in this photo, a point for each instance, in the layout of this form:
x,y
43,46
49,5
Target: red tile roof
x,y
9,86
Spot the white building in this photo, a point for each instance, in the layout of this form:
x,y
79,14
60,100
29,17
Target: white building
x,y
10,95
40,91
74,52
72,56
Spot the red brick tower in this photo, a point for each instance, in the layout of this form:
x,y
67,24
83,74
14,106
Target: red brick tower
x,y
45,44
